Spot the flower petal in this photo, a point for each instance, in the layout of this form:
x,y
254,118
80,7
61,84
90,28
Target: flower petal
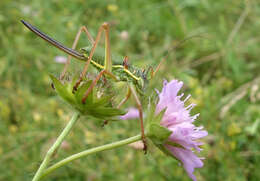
x,y
132,113
168,94
189,160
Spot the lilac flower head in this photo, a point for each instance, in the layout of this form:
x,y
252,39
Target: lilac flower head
x,y
184,134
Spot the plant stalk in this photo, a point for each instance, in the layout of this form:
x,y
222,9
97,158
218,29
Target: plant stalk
x,y
55,146
90,151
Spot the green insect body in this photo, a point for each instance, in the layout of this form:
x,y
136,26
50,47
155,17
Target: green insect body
x,y
138,77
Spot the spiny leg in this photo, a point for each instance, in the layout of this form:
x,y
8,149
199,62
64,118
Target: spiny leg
x,y
108,61
94,82
75,42
104,27
139,106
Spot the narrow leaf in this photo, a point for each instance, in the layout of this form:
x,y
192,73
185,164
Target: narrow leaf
x,y
62,90
158,134
81,91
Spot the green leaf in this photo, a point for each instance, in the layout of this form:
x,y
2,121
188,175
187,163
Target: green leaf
x,y
158,134
104,112
81,91
103,101
63,90
166,151
95,106
152,117
174,144
157,119
73,82
163,149
150,113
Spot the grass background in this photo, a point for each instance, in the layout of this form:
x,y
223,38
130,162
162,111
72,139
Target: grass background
x,y
220,69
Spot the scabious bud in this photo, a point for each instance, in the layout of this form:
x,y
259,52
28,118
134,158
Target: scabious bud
x,y
170,127
96,105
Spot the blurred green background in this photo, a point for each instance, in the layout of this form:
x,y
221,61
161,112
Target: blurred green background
x,y
220,69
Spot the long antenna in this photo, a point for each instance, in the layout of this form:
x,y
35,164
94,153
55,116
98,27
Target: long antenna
x,y
54,42
171,49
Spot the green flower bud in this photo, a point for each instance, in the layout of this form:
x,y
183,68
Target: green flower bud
x,y
98,106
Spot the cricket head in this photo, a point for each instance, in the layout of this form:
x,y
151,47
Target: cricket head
x,y
99,55
86,50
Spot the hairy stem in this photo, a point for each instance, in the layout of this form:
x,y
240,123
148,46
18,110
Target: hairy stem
x,y
55,147
91,151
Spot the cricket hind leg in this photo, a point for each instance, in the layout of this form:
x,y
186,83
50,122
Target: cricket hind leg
x,y
94,82
140,109
125,99
103,27
75,42
120,104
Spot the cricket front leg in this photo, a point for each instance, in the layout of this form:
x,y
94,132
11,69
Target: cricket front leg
x,y
139,106
75,42
103,27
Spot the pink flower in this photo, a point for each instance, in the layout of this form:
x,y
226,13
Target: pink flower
x,y
132,113
184,137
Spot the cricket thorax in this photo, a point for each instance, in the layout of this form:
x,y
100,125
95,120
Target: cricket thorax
x,y
139,77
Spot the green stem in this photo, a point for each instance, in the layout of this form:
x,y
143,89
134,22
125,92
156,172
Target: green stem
x,y
55,147
91,151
